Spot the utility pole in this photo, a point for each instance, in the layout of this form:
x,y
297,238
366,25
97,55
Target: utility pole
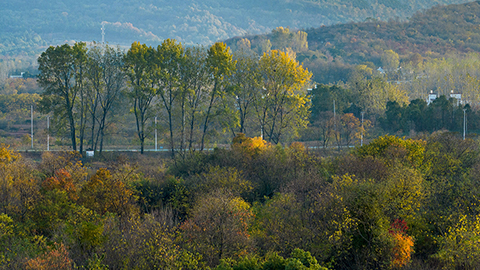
x,y
335,125
31,124
48,133
464,123
155,133
361,138
103,32
334,118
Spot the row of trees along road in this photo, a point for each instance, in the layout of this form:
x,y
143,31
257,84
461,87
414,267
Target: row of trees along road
x,y
196,92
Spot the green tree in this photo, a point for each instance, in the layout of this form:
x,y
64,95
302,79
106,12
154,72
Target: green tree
x,y
395,117
279,224
196,80
62,77
220,65
372,95
219,226
169,58
323,96
299,259
368,243
107,79
105,193
245,82
391,149
145,243
227,178
390,60
261,45
139,69
459,245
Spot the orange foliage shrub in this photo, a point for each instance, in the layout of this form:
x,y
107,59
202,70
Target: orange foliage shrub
x,y
56,258
402,250
403,244
62,181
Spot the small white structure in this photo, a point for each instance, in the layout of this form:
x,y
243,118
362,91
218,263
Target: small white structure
x,y
17,76
431,97
90,153
458,97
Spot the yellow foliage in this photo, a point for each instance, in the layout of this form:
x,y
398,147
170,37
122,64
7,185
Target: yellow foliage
x,y
250,146
392,148
344,181
258,143
6,155
6,226
226,178
460,245
402,249
104,193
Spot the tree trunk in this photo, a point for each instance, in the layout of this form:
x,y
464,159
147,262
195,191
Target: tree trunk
x,y
205,125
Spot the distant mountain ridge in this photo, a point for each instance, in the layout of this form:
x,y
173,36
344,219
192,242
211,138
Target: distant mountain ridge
x,y
28,24
332,52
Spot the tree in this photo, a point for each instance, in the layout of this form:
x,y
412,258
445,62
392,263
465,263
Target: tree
x,y
107,78
220,65
282,101
373,95
299,259
326,125
146,243
105,193
284,38
394,116
261,45
139,69
390,60
245,82
391,149
281,38
18,187
196,81
459,244
227,178
56,258
62,77
323,96
416,114
350,127
169,58
219,226
279,224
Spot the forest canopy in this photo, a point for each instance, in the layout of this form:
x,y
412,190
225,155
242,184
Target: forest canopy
x,y
391,204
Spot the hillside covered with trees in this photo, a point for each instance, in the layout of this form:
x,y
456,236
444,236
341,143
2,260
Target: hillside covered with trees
x,y
332,53
28,24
